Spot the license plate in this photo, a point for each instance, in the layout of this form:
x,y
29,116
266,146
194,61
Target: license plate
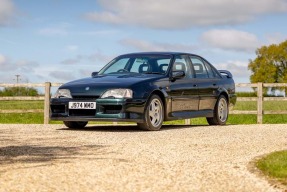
x,y
82,105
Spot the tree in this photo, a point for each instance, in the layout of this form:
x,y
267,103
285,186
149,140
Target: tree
x,y
270,65
19,91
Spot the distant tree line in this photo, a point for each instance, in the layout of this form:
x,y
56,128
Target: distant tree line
x,y
18,91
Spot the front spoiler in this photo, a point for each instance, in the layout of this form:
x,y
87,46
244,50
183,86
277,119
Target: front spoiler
x,y
130,110
95,119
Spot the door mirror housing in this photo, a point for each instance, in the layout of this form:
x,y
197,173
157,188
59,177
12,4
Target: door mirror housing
x,y
178,75
94,74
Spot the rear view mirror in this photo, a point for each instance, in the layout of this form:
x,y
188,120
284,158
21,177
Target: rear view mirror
x,y
94,74
178,74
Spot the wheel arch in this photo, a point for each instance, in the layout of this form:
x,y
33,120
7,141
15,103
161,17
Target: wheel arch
x,y
225,95
224,92
162,96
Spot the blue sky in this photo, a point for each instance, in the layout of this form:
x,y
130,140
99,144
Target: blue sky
x,y
61,40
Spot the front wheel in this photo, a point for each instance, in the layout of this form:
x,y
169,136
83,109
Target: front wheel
x,y
221,111
153,114
75,124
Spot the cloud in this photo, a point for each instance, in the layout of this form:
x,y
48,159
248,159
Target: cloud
x,y
239,69
182,14
72,47
10,68
231,40
23,66
100,57
142,45
73,61
275,38
7,12
62,75
60,29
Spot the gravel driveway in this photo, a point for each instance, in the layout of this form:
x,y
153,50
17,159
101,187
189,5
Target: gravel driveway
x,y
99,158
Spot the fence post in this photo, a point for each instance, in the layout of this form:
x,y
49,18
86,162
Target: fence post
x,y
259,103
47,102
187,121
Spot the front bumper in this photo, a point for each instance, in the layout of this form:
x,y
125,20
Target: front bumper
x,y
115,110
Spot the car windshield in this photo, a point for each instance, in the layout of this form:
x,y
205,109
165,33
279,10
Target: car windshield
x,y
147,64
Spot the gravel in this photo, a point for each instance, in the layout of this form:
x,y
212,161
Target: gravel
x,y
123,158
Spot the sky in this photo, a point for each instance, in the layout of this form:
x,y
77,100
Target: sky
x,y
63,40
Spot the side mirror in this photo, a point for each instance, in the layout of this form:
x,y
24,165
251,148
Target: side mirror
x,y
94,74
178,74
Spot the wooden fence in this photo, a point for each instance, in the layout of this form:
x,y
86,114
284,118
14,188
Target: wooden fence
x,y
259,86
46,98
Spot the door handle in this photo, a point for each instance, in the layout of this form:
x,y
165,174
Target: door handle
x,y
214,84
194,85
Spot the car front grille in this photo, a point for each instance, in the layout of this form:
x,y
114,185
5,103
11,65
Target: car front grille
x,y
85,97
82,112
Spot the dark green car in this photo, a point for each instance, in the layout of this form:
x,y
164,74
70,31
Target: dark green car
x,y
147,88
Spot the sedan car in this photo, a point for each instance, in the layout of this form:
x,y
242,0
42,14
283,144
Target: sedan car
x,y
147,88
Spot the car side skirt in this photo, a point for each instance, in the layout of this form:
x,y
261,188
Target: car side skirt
x,y
189,114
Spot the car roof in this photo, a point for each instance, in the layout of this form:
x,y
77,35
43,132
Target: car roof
x,y
159,53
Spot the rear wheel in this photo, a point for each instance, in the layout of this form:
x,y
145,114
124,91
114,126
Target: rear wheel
x,y
220,112
75,124
153,114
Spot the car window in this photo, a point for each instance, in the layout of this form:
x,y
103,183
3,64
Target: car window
x,y
139,65
209,70
163,64
120,64
181,64
147,64
199,68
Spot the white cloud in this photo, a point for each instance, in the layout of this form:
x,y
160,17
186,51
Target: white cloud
x,y
239,69
7,65
275,38
10,68
231,40
2,59
72,61
62,75
53,31
170,14
72,47
7,12
60,29
141,45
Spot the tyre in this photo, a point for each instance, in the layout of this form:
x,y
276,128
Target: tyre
x,y
221,111
75,124
153,114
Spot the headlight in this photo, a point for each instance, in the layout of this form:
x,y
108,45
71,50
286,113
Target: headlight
x,y
118,93
63,93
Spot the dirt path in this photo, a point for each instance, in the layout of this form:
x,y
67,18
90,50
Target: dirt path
x,y
182,158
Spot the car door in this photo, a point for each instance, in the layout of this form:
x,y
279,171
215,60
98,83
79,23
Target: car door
x,y
183,91
206,81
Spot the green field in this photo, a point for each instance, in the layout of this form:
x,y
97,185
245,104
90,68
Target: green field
x,y
38,118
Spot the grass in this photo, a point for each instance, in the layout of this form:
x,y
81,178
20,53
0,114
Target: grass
x,y
26,118
274,165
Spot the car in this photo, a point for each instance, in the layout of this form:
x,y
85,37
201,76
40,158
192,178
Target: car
x,y
147,88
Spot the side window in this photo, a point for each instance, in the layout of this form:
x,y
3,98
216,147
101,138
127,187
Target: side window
x,y
181,64
163,65
209,70
199,68
137,65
